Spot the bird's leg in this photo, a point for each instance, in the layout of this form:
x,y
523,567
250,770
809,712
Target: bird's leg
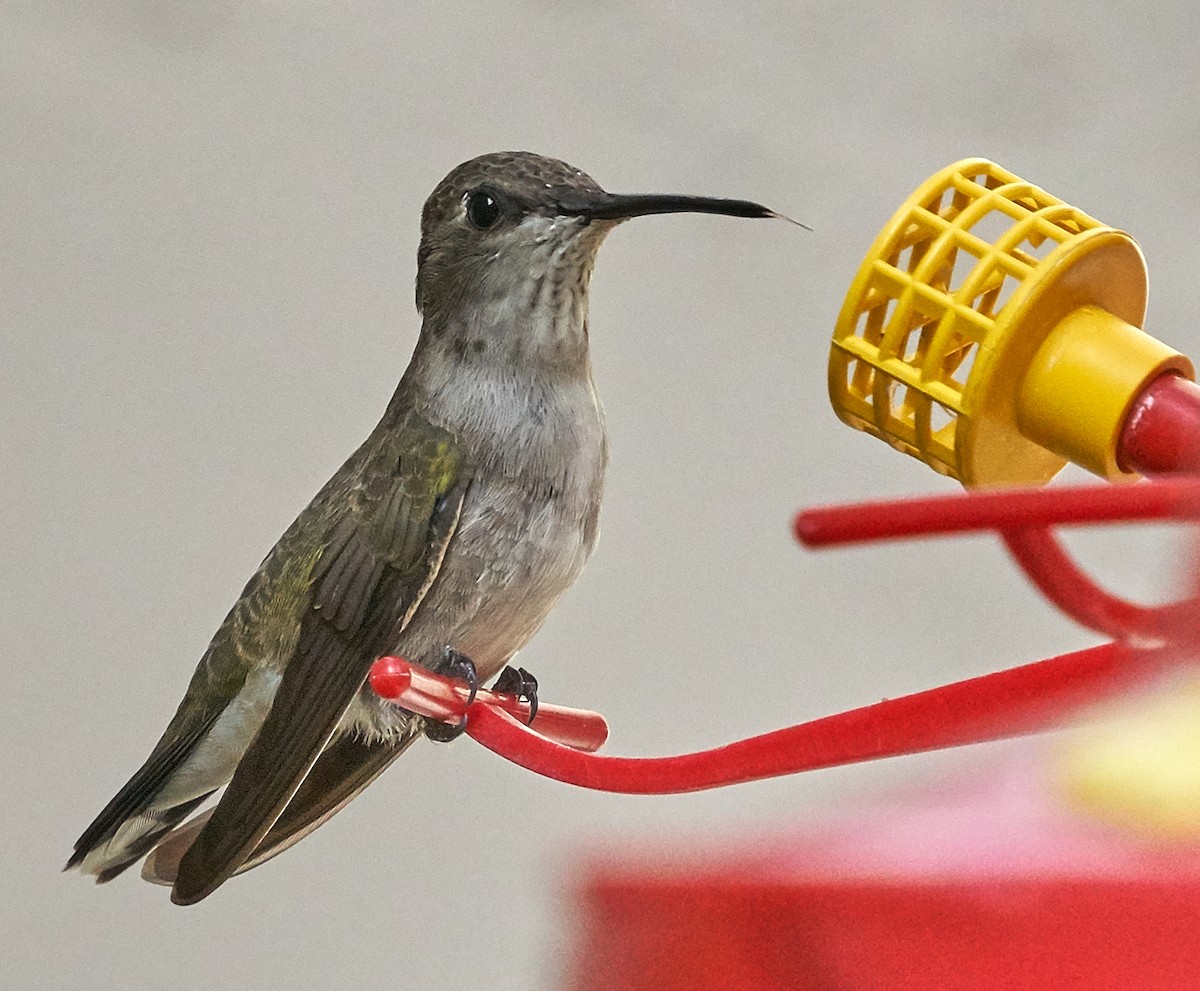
x,y
519,682
453,665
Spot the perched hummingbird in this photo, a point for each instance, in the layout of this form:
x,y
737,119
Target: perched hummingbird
x,y
446,538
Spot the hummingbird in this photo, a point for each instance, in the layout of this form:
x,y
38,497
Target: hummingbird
x,y
446,538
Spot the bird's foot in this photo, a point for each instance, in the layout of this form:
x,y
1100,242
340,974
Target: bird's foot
x,y
519,682
453,665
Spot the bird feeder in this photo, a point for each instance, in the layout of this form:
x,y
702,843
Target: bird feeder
x,y
994,332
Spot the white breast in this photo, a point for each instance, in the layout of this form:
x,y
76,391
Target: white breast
x,y
528,525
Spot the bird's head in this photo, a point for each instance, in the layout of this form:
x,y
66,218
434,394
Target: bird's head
x,y
508,241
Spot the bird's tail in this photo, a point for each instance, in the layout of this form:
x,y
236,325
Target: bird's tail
x,y
155,800
343,770
144,816
112,844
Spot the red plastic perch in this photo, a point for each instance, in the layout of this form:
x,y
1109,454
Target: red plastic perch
x,y
429,694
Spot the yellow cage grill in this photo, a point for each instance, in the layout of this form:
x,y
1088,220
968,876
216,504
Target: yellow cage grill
x,y
992,332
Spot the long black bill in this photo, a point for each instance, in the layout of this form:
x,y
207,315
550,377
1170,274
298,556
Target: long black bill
x,y
615,206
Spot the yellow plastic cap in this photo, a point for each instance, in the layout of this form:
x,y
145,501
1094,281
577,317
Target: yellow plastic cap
x,y
1078,389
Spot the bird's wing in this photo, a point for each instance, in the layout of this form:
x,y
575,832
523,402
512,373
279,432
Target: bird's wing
x,y
346,766
382,555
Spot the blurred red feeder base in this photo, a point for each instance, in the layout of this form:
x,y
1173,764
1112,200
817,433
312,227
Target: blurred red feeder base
x,y
961,896
737,936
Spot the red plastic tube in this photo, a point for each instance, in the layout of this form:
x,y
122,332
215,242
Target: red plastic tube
x,y
1009,703
1162,431
1043,558
1022,518
1003,509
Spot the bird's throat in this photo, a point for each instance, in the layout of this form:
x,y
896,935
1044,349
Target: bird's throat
x,y
540,330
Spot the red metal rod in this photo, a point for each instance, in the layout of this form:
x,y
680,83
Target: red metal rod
x,y
1055,573
428,694
1021,700
967,512
1162,430
1021,518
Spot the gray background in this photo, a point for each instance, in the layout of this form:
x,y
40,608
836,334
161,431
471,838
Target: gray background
x,y
209,221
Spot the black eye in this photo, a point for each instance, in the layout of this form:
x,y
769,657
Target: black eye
x,y
483,210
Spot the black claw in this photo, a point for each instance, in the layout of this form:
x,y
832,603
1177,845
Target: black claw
x,y
458,665
453,664
530,691
519,682
440,732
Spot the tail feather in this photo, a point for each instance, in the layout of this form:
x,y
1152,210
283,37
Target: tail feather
x,y
147,816
343,770
121,851
137,817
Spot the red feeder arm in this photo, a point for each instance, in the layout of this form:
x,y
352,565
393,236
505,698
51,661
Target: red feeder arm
x,y
1008,703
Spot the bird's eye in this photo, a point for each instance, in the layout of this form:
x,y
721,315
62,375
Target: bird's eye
x,y
483,209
